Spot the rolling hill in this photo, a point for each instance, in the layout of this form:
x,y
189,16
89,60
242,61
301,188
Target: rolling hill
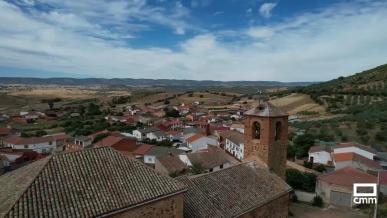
x,y
144,82
361,99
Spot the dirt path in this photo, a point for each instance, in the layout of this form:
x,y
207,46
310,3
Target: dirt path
x,y
306,211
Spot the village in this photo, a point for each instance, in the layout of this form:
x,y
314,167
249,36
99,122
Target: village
x,y
186,140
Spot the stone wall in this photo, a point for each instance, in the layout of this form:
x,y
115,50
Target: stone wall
x,y
278,208
169,207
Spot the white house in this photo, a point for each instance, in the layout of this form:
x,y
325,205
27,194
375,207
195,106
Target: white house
x,y
336,188
46,144
359,149
320,154
37,144
234,144
199,142
157,135
142,134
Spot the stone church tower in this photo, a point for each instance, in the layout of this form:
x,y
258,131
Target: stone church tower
x,y
266,136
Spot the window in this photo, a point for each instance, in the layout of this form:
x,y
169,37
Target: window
x,y
25,146
221,166
256,130
277,131
50,143
211,170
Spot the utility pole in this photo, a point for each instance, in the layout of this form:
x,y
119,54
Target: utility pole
x,y
377,198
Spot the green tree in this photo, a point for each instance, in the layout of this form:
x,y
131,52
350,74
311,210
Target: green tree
x,y
301,181
40,133
171,113
303,143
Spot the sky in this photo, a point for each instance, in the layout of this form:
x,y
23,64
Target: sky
x,y
228,40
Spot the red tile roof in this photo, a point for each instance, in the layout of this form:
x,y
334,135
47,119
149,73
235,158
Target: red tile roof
x,y
172,163
17,140
119,143
350,156
343,156
108,141
346,177
142,149
194,138
4,131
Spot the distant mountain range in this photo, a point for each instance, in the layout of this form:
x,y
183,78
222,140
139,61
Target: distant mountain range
x,y
144,82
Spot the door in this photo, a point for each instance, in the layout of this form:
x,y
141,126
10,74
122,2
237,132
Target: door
x,y
341,199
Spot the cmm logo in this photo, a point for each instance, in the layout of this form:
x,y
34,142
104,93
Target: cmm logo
x,y
368,197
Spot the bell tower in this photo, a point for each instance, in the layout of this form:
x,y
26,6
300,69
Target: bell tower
x,y
266,136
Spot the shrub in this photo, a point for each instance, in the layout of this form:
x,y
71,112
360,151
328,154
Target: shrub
x,y
308,164
319,168
301,181
196,168
40,133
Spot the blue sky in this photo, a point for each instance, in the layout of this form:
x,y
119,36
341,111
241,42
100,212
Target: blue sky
x,y
284,40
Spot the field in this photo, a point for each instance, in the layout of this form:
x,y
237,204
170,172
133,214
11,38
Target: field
x,y
21,98
296,103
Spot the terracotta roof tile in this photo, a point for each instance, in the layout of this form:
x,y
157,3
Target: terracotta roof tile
x,y
343,156
17,140
346,177
230,192
209,158
234,136
108,141
350,156
194,138
172,163
142,149
4,131
87,183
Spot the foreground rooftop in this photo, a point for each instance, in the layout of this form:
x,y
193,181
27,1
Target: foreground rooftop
x,y
92,182
231,192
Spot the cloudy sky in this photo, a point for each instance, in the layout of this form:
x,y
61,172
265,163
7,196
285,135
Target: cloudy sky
x,y
284,40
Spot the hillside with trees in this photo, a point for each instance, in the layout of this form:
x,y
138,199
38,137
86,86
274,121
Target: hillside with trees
x,y
361,99
344,94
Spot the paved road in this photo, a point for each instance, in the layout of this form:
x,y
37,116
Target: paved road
x,y
306,211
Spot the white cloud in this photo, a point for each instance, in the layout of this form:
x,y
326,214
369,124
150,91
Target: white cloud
x,y
266,9
341,39
121,16
260,32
